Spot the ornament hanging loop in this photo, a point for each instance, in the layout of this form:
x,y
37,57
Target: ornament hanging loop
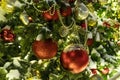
x,y
86,37
51,9
60,18
65,30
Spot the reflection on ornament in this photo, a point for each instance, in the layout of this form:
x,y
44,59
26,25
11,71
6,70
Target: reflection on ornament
x,y
7,5
96,77
30,19
81,12
24,18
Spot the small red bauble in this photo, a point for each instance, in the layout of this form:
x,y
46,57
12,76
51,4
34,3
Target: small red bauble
x,y
66,12
83,25
47,16
74,59
105,71
45,49
55,15
94,71
50,15
89,41
7,35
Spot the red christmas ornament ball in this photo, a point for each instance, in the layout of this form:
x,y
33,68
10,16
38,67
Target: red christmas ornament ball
x,y
105,71
74,59
45,49
94,71
66,11
89,41
83,25
50,15
47,16
55,16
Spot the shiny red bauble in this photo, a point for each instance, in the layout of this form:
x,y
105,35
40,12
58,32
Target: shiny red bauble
x,y
66,11
105,71
55,16
83,25
90,41
45,49
47,16
94,71
50,15
74,58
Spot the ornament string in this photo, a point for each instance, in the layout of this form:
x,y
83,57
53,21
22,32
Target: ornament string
x,y
76,3
60,18
51,9
85,43
76,31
